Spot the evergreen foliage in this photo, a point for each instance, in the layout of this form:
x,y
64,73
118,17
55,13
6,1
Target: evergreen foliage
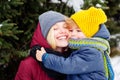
x,y
113,16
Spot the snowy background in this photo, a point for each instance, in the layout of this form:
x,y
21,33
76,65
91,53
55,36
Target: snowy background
x,y
116,66
76,5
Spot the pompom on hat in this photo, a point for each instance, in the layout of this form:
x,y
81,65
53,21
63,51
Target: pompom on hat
x,y
89,20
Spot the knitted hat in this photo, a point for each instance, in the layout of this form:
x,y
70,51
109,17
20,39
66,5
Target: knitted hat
x,y
89,20
48,19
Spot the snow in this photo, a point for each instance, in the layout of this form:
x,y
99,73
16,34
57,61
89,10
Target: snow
x,y
115,36
115,61
1,25
55,1
76,4
98,5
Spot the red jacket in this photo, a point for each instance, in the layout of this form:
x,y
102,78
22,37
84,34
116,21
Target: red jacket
x,y
29,68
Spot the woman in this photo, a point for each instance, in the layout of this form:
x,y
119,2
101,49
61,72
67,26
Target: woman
x,y
52,34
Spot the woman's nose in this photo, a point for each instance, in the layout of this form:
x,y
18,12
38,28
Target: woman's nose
x,y
64,30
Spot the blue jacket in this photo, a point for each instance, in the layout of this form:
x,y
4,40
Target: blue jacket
x,y
83,64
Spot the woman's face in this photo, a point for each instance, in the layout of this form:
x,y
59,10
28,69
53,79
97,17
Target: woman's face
x,y
61,34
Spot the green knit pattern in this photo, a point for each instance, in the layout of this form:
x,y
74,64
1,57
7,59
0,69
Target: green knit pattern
x,y
100,44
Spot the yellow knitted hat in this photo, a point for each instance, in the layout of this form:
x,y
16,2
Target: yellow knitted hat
x,y
89,20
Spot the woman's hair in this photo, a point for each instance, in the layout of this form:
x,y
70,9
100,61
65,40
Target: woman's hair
x,y
51,39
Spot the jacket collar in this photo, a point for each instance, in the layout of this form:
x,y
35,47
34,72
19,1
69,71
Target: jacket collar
x,y
38,39
103,32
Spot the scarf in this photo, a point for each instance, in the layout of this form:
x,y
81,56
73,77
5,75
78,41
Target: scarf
x,y
100,44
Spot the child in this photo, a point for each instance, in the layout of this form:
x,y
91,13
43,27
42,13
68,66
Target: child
x,y
91,60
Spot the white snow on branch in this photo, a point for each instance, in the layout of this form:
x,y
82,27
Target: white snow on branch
x,y
76,4
1,25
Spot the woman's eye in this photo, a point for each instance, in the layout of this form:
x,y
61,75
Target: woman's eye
x,y
55,28
71,30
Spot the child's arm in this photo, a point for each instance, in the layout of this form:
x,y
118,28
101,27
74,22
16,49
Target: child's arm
x,y
85,60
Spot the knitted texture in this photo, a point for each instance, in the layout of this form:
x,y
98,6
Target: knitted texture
x,y
87,42
89,20
48,19
100,44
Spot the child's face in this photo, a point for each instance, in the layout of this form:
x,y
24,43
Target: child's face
x,y
76,33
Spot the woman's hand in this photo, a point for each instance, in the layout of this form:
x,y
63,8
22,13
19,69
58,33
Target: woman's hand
x,y
39,54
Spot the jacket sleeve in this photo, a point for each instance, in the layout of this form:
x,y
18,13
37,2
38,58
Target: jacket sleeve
x,y
33,51
23,72
81,61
